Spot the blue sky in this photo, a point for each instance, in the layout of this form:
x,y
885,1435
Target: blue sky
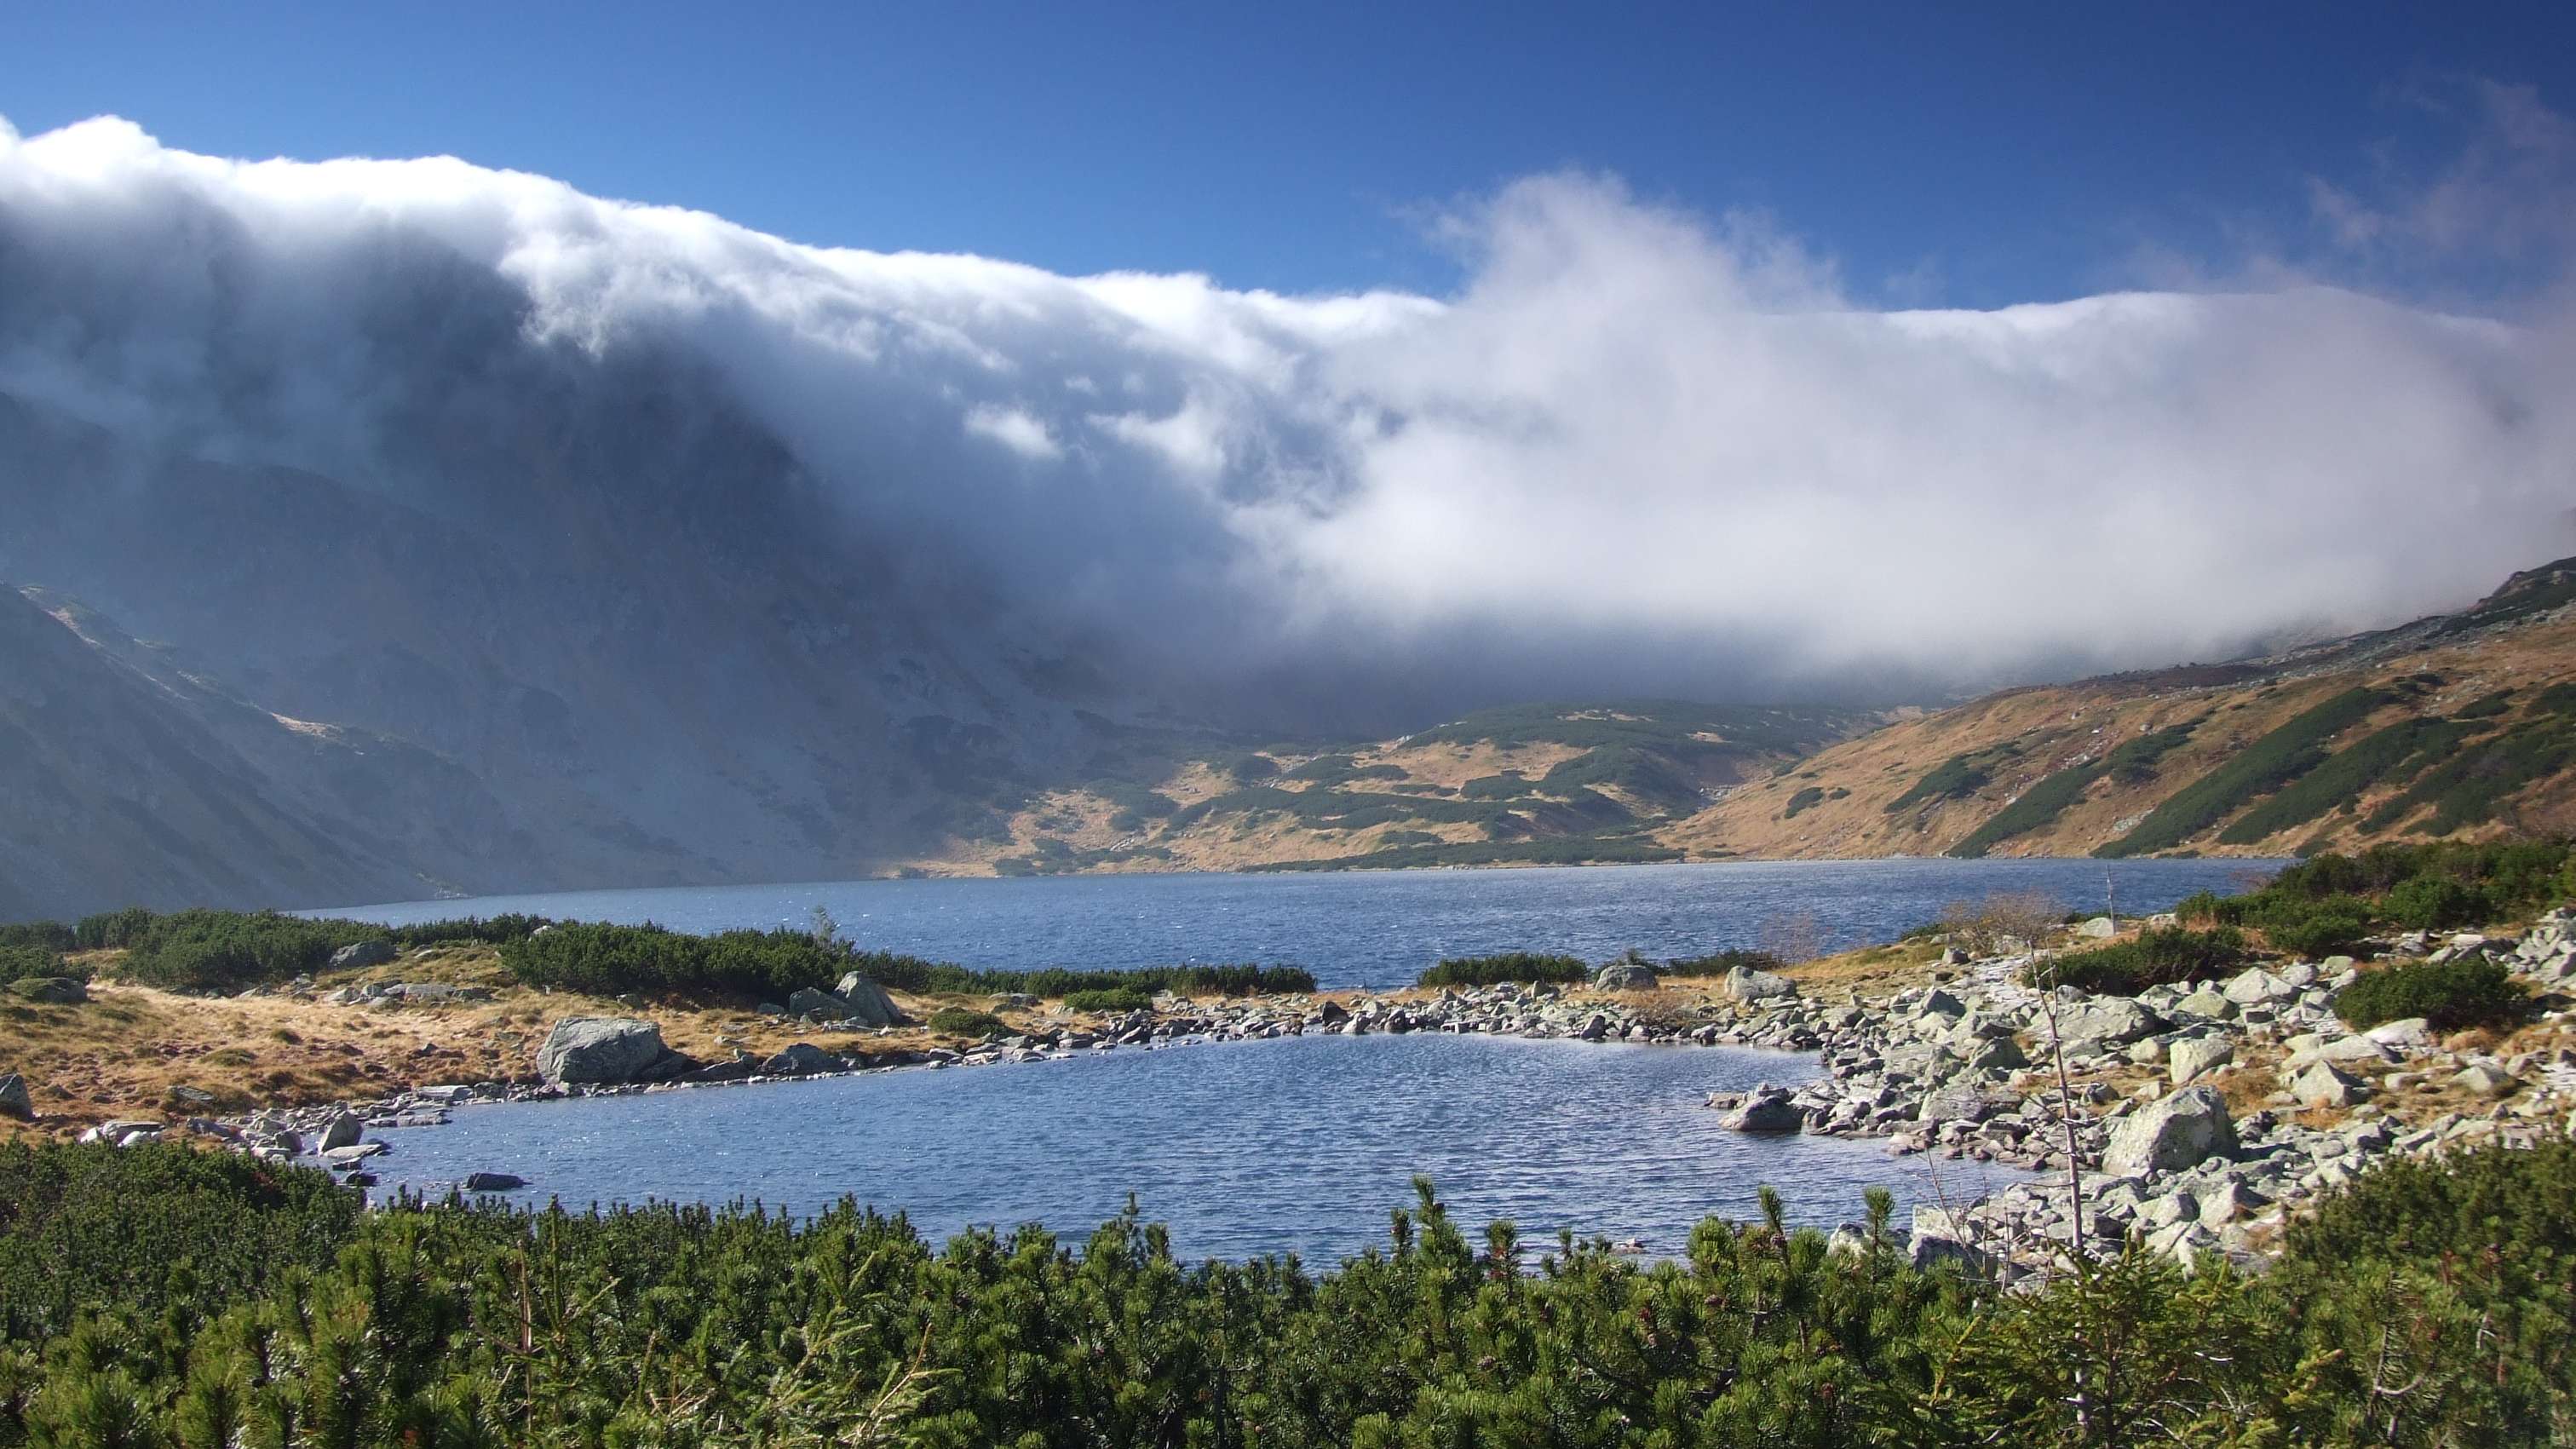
x,y
1958,155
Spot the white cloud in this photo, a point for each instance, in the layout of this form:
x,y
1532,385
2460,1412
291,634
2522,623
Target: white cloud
x,y
1637,445
1020,432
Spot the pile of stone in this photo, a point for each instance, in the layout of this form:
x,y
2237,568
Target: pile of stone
x,y
1968,1070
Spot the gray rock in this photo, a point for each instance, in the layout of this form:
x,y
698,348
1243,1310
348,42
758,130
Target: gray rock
x,y
2182,1130
1941,1003
2407,1033
2257,985
361,955
15,1100
2194,1057
2109,1020
2099,928
1942,1235
801,1059
2318,1084
493,1182
2207,1004
806,1001
1624,976
1766,1109
868,1002
2482,1080
50,990
343,1130
1747,985
607,1050
1998,1054
1965,1103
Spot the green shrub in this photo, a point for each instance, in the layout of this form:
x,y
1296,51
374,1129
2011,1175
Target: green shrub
x,y
166,1297
2432,903
2449,995
1956,777
1521,966
2396,752
2133,762
2328,927
51,936
2269,763
1803,801
1115,999
2155,958
1718,963
26,963
966,1022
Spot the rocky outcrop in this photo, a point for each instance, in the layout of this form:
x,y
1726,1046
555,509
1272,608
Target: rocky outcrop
x,y
361,955
866,1003
607,1049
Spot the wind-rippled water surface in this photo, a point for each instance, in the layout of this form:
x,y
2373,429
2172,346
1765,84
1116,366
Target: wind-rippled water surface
x,y
1244,1148
1370,928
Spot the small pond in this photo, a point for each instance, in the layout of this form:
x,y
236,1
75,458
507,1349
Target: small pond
x,y
1244,1148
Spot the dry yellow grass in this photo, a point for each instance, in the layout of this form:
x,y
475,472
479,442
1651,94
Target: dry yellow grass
x,y
123,1052
2058,725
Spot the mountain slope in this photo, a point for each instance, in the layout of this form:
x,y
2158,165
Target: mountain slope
x,y
124,779
2461,724
1553,783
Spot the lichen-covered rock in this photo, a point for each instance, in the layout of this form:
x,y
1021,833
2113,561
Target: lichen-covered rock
x,y
607,1050
2194,1057
1748,985
1625,976
362,954
867,1002
801,1059
1766,1109
2107,1020
50,990
2318,1084
2183,1130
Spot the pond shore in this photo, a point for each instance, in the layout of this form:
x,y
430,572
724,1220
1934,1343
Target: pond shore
x,y
2200,1118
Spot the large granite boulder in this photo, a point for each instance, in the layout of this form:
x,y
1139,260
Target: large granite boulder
x,y
50,990
2194,1057
801,1059
2256,986
345,1129
2318,1084
607,1050
806,1001
1748,985
2106,1021
14,1098
1625,976
2183,1130
362,955
868,1002
1766,1109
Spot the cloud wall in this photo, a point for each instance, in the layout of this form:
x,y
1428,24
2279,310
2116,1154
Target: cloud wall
x,y
1637,449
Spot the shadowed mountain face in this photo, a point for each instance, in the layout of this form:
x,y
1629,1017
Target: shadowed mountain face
x,y
700,673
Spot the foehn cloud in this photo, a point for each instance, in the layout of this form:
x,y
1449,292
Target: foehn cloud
x,y
1636,449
